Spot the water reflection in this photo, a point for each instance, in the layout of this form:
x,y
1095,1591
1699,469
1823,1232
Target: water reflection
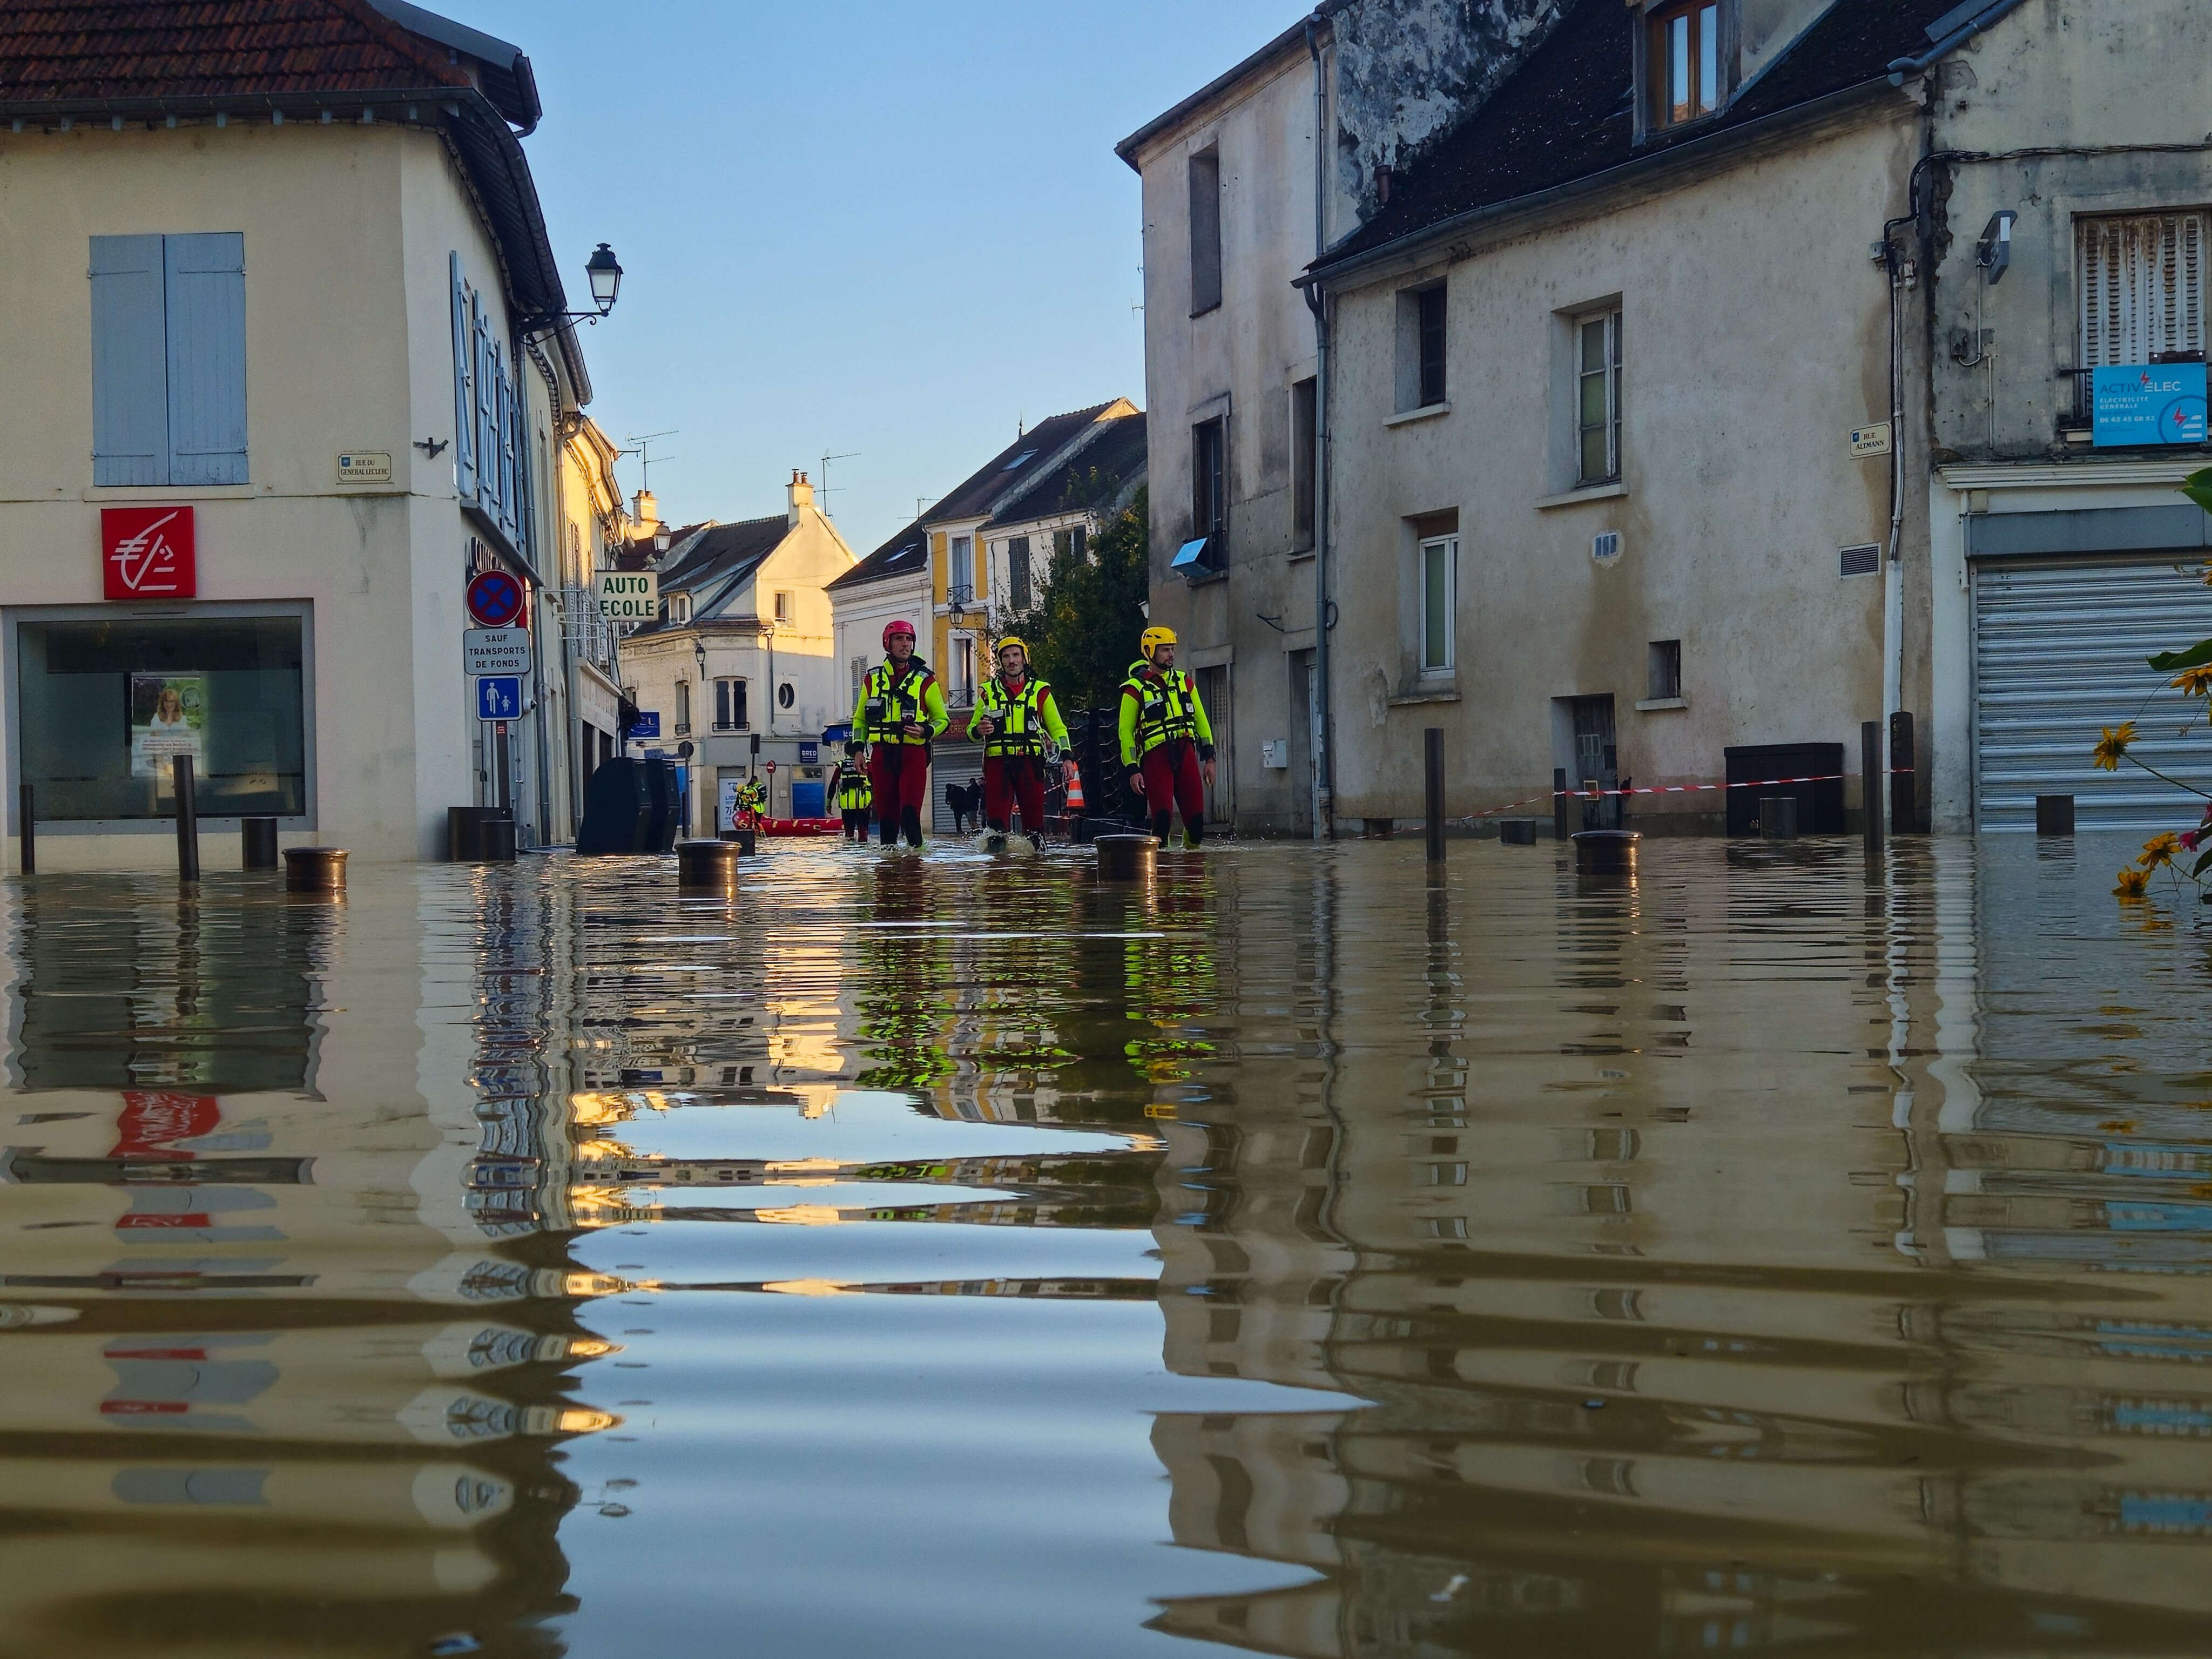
x,y
1771,1251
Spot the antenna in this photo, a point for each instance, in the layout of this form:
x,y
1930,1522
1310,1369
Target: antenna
x,y
645,456
821,489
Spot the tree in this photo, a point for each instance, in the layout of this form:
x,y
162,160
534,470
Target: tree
x,y
1087,613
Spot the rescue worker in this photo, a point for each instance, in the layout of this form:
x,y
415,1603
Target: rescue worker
x,y
852,794
1023,735
901,710
1167,742
752,802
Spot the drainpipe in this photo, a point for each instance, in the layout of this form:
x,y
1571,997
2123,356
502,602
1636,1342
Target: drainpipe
x,y
1324,749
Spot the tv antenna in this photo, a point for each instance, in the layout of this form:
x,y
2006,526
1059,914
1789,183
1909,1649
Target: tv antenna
x,y
645,457
821,489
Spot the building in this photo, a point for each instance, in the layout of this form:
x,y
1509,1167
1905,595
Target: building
x,y
291,361
595,530
890,585
741,668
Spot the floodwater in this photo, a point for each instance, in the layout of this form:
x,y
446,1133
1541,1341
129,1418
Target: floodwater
x,y
943,1256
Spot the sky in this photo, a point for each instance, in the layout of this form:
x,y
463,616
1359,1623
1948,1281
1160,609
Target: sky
x,y
884,231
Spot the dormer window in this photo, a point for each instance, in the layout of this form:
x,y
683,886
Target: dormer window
x,y
1685,63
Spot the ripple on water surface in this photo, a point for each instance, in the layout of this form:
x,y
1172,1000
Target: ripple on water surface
x,y
949,1255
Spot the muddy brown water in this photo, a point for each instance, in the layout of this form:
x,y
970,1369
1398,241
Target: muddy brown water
x,y
944,1257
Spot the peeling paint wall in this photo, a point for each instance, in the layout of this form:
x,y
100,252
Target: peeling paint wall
x,y
1408,71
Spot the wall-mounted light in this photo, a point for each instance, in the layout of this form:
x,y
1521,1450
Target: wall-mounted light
x,y
1993,253
604,273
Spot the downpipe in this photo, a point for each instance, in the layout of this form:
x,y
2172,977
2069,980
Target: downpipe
x,y
1322,720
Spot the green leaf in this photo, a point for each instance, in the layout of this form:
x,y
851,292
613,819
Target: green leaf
x,y
2198,488
2172,662
2203,860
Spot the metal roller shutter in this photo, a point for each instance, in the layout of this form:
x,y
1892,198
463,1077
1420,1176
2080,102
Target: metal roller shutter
x,y
2059,651
949,762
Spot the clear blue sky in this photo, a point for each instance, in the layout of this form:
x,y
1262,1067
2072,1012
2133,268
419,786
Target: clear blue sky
x,y
894,229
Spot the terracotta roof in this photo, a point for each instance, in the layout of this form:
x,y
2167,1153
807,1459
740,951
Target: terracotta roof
x,y
72,50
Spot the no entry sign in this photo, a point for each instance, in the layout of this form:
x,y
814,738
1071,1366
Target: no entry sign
x,y
494,600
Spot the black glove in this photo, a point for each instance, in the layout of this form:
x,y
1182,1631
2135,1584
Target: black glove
x,y
1205,751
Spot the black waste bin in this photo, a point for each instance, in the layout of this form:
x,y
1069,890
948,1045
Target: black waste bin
x,y
464,831
631,807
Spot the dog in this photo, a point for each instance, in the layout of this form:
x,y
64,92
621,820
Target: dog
x,y
965,801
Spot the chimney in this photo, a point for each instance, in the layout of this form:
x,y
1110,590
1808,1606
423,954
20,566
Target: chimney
x,y
646,509
801,494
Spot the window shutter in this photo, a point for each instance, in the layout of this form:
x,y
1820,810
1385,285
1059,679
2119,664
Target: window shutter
x,y
129,363
465,399
206,277
487,440
2141,286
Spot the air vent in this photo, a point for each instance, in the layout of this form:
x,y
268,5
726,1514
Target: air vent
x,y
1861,560
1605,546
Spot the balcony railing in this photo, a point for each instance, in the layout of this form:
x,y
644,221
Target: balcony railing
x,y
589,636
961,596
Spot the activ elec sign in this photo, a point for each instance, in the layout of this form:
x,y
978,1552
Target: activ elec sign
x,y
629,596
2148,403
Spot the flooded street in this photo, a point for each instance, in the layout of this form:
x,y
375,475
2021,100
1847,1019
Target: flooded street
x,y
942,1256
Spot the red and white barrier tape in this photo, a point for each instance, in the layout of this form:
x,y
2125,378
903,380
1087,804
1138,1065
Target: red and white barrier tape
x,y
1655,789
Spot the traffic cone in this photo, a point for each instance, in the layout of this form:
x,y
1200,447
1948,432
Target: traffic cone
x,y
1075,801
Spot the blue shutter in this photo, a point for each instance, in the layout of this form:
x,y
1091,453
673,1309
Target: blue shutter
x,y
487,397
129,363
464,403
206,358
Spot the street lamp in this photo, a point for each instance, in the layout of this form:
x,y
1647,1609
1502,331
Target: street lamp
x,y
604,271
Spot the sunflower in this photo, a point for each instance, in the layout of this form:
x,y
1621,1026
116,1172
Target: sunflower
x,y
2160,849
2131,886
2114,745
2194,682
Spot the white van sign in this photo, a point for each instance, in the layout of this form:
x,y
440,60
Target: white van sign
x,y
629,596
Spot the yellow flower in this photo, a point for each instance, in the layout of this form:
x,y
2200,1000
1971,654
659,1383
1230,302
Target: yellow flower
x,y
2114,744
2131,886
2194,682
2160,849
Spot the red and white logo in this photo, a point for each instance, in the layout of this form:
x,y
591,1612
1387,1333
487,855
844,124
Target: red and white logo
x,y
147,553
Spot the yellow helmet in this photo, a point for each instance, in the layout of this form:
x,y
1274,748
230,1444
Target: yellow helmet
x,y
1015,639
1153,638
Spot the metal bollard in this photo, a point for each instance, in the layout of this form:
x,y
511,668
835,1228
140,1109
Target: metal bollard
x,y
1518,832
743,840
1606,852
28,821
1126,858
2054,815
188,819
498,841
314,869
1777,817
1432,765
257,844
1870,791
708,866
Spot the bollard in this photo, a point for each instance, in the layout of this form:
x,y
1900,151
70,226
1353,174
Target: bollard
x,y
1606,852
1777,817
28,821
498,836
1432,763
1518,832
708,866
1870,783
188,819
2054,815
742,840
257,844
314,870
1126,858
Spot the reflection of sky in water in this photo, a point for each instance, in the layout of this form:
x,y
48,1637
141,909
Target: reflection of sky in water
x,y
953,1257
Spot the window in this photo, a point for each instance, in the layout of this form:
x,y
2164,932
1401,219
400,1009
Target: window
x,y
1421,348
786,695
859,666
783,607
1682,62
960,572
168,359
730,702
1305,452
1439,603
1072,542
1204,231
1018,573
1663,670
963,669
490,470
1597,398
1430,321
105,705
676,607
2142,288
1210,491
683,708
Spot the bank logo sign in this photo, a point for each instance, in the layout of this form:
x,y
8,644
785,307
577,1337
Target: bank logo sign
x,y
2148,403
147,553
629,596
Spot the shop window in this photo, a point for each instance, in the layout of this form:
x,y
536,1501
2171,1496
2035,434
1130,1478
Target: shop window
x,y
104,707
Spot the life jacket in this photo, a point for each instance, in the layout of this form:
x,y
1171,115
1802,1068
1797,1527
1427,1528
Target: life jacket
x,y
1167,705
854,792
887,704
1017,720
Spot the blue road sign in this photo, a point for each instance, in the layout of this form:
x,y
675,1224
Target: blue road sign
x,y
646,724
499,697
495,599
809,754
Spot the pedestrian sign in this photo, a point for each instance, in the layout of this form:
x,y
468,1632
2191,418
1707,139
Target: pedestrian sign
x,y
499,697
494,600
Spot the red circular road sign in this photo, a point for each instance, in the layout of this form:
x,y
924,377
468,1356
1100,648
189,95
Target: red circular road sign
x,y
494,600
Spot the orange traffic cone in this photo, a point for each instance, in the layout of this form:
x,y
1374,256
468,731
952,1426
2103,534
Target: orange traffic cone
x,y
1075,802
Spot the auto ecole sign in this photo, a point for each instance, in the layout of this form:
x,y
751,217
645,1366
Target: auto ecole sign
x,y
629,596
147,553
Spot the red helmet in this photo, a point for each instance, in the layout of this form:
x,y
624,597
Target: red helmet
x,y
899,626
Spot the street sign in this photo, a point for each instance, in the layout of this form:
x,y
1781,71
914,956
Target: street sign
x,y
499,697
1870,440
646,724
629,596
495,650
365,466
771,768
809,754
494,600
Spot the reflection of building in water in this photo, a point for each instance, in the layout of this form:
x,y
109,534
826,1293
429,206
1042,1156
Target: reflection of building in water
x,y
1660,1355
279,1323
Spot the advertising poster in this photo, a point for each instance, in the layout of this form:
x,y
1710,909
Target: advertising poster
x,y
2148,403
168,718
